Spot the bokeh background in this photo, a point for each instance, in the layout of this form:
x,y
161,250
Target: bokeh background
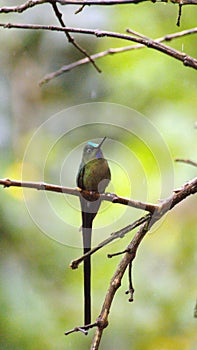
x,y
40,296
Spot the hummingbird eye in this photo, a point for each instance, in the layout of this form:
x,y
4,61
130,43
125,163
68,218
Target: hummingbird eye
x,y
89,150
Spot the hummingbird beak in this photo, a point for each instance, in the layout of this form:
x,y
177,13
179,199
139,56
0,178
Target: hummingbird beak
x,y
100,144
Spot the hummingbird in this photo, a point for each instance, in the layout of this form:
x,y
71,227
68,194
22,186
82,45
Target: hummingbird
x,y
94,175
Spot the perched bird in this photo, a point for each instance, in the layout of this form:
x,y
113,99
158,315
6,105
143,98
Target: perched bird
x,y
94,175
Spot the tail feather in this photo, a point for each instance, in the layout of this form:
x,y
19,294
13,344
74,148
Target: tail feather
x,y
89,211
87,233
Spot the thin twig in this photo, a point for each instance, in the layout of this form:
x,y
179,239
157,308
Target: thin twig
x,y
115,235
70,37
131,289
116,254
21,8
139,35
187,161
83,329
195,310
80,9
179,14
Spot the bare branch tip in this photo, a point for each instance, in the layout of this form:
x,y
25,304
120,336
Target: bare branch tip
x,y
83,329
116,254
74,264
77,329
6,183
80,9
186,161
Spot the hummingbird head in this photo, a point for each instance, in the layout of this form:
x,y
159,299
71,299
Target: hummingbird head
x,y
92,151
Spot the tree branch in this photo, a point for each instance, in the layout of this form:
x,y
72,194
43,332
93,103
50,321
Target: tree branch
x,y
110,197
71,39
150,43
21,8
31,3
118,234
159,210
146,223
102,321
115,283
112,51
187,161
84,329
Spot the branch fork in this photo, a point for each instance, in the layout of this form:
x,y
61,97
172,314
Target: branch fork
x,y
145,223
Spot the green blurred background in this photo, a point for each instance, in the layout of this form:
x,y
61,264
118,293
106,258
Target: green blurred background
x,y
40,296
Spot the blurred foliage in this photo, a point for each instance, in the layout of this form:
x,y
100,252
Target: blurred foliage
x,y
40,296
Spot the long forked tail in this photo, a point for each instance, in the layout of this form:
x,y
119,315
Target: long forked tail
x,y
87,232
89,211
87,235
